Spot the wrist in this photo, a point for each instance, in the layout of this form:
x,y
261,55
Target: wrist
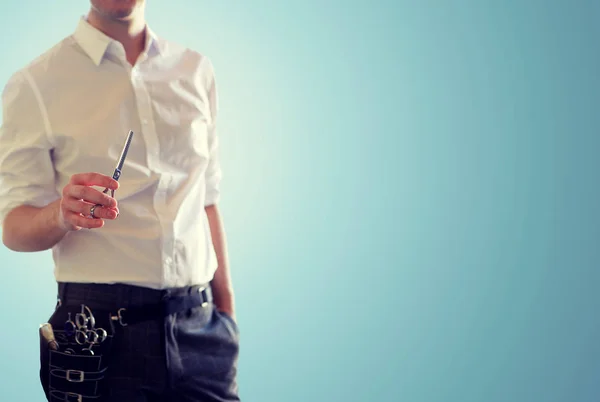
x,y
225,307
56,217
228,312
223,300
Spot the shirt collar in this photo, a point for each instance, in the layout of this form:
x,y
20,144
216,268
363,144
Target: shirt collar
x,y
95,43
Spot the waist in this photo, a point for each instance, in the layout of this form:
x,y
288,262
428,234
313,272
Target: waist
x,y
96,258
115,296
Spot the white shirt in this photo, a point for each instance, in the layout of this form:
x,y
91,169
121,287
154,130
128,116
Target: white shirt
x,y
69,112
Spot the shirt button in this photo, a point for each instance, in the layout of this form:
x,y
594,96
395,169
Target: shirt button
x,y
168,261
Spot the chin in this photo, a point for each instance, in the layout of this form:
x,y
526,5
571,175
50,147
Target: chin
x,y
117,9
120,14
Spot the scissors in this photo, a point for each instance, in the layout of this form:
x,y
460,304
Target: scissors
x,y
117,173
84,329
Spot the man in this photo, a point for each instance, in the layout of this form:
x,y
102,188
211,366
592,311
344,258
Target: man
x,y
149,264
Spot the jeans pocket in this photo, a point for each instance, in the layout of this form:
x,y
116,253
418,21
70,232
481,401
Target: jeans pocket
x,y
230,323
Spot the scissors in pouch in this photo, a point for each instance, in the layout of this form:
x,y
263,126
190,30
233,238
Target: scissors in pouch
x,y
84,330
117,173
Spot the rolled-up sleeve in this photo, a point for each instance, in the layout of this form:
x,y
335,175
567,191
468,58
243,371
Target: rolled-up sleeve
x,y
213,171
26,169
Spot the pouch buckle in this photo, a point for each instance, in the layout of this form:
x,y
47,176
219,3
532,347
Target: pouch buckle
x,y
75,375
70,395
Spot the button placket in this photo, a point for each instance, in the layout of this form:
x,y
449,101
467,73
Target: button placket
x,y
143,101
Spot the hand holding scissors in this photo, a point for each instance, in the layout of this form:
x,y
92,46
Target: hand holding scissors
x,y
82,206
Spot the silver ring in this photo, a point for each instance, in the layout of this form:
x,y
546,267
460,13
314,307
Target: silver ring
x,y
92,210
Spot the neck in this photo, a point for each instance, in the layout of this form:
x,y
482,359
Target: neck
x,y
131,33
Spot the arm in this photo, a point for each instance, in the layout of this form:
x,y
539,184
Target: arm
x,y
46,226
41,232
221,284
26,170
34,215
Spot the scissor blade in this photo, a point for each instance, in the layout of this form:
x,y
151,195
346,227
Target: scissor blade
x,y
121,160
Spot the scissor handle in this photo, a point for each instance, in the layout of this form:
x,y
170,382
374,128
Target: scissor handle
x,y
94,337
101,335
106,190
81,334
81,320
70,326
91,318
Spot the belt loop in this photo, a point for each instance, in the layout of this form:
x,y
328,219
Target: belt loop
x,y
164,294
62,292
122,295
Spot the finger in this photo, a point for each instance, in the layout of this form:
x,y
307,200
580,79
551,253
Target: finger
x,y
78,220
116,209
90,195
84,208
94,179
102,212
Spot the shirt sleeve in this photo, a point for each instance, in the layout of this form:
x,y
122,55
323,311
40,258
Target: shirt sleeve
x,y
26,169
213,171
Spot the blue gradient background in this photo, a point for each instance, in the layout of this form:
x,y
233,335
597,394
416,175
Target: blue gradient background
x,y
410,195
